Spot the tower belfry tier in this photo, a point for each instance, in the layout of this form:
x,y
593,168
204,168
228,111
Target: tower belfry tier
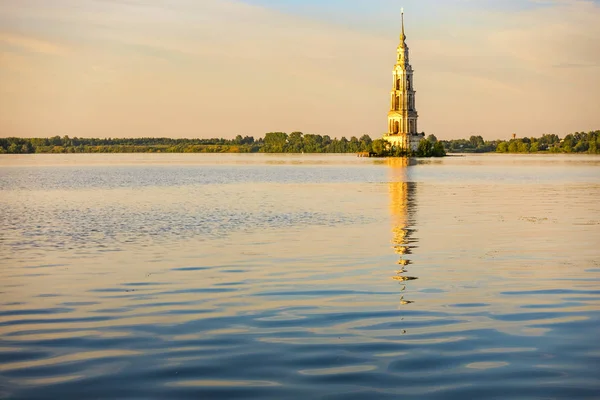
x,y
403,116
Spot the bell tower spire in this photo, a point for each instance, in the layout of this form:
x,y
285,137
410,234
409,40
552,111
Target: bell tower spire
x,y
402,36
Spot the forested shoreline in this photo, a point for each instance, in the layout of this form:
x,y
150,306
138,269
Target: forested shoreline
x,y
298,142
578,142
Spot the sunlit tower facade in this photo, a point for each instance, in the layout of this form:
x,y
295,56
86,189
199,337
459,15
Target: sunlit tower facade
x,y
403,116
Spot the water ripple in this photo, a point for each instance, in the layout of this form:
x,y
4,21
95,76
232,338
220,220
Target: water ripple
x,y
263,280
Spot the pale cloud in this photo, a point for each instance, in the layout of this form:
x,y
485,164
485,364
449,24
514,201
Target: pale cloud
x,y
220,67
567,33
502,68
31,44
13,61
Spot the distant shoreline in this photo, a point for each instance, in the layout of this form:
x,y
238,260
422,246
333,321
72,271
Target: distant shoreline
x,y
298,142
448,155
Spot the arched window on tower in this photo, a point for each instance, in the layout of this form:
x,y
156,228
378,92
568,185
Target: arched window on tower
x,y
399,84
397,103
408,86
396,127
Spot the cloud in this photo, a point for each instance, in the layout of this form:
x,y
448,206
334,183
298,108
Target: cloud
x,y
575,66
30,44
12,61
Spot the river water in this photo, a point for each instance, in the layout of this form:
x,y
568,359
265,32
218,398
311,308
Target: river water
x,y
299,277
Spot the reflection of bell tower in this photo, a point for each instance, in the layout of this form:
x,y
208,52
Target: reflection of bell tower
x,y
402,117
402,195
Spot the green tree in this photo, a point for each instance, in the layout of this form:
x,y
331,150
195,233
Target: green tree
x,y
534,147
438,150
593,145
523,147
476,141
275,142
354,145
313,143
365,143
425,148
14,148
379,146
295,143
366,139
581,146
26,148
326,140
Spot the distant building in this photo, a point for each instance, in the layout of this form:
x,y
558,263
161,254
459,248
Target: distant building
x,y
402,118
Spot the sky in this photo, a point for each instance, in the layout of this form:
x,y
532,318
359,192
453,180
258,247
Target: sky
x,y
219,68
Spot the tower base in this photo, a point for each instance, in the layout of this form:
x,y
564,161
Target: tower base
x,y
404,141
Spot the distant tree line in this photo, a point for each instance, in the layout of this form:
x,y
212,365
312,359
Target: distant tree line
x,y
273,142
298,142
66,144
578,142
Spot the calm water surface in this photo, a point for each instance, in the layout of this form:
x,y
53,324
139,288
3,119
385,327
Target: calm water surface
x,y
299,277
